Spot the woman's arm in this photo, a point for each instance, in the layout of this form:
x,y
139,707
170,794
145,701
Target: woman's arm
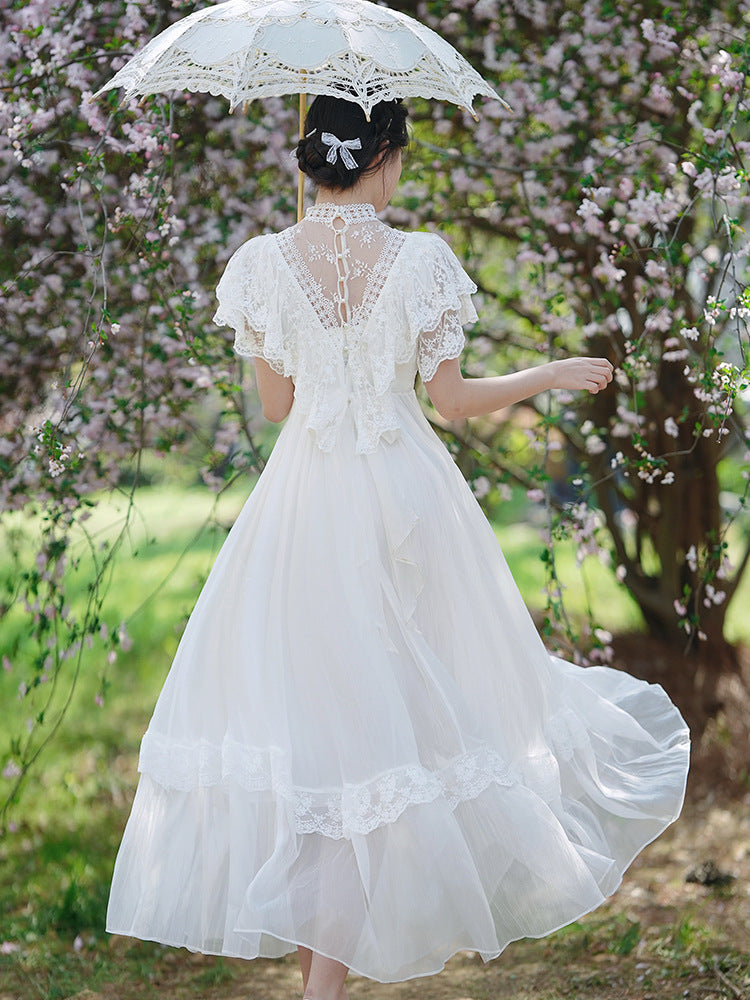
x,y
276,391
454,396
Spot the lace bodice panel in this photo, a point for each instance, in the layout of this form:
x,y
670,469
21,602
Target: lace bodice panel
x,y
341,310
341,256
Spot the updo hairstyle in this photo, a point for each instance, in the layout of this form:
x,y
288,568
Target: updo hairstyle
x,y
380,137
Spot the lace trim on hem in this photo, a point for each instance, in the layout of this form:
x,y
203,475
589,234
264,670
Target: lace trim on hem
x,y
345,812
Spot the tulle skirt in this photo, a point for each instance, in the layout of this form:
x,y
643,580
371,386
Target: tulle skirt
x,y
363,747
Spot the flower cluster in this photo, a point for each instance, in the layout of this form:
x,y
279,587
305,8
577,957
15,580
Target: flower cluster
x,y
621,186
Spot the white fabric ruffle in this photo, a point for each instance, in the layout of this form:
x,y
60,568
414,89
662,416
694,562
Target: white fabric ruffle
x,y
363,747
354,367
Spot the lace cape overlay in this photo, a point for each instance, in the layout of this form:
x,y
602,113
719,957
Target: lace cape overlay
x,y
404,302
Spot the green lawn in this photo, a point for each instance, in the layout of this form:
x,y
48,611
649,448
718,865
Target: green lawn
x,y
170,548
56,860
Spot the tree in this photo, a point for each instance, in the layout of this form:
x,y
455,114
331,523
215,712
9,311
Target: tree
x,y
618,197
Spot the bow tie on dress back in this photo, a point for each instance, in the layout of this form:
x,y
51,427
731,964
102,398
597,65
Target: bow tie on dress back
x,y
340,147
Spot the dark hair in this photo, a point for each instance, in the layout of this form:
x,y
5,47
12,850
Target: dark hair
x,y
383,134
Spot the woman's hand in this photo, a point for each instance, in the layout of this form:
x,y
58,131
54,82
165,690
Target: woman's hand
x,y
592,374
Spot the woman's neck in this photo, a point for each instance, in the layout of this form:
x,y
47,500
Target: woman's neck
x,y
368,190
352,196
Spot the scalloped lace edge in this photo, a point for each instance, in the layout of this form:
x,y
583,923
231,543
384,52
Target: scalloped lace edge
x,y
350,810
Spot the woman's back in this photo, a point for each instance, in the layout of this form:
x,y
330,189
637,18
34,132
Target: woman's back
x,y
341,257
349,310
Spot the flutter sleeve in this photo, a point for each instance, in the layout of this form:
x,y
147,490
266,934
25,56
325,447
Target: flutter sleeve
x,y
440,305
248,294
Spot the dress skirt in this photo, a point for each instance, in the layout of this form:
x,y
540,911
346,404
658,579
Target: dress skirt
x,y
363,747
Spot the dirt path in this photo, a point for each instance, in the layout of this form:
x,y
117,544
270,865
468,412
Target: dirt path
x,y
659,938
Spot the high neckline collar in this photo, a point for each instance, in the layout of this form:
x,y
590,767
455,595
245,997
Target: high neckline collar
x,y
329,210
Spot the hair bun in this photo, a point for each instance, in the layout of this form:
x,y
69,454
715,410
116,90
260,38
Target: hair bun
x,y
346,122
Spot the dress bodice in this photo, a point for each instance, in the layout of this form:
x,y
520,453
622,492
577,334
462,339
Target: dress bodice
x,y
350,310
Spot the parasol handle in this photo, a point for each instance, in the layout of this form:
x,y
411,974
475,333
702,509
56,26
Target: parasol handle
x,y
301,177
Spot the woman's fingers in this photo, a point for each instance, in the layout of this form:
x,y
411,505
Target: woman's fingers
x,y
591,374
604,367
601,375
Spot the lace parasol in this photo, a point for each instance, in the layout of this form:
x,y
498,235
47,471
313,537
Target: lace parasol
x,y
245,49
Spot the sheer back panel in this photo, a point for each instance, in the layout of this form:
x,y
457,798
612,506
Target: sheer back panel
x,y
341,263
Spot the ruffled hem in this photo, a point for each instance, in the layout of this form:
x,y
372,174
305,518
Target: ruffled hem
x,y
354,809
261,943
392,904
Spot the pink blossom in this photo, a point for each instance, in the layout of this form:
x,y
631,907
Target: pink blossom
x,y
481,487
607,272
663,45
588,208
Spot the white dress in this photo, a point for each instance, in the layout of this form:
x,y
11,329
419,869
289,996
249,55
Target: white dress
x,y
363,746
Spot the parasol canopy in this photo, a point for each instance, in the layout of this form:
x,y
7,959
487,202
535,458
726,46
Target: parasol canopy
x,y
245,49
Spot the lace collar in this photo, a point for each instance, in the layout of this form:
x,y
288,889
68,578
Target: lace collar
x,y
329,210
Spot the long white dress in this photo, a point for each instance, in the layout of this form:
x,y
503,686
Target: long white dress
x,y
363,746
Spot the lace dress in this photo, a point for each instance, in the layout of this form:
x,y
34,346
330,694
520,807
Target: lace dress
x,y
362,745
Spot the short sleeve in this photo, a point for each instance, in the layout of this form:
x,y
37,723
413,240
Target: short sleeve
x,y
244,293
441,305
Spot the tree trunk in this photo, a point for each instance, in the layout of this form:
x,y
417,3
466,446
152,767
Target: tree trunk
x,y
673,520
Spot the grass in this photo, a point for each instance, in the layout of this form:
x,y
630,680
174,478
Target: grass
x,y
170,548
56,862
167,556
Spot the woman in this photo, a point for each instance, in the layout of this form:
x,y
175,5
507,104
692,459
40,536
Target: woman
x,y
363,750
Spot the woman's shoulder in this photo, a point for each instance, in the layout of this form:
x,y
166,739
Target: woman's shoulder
x,y
245,259
430,243
431,250
422,238
435,268
256,244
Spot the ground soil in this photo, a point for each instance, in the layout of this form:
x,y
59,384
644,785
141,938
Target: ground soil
x,y
660,937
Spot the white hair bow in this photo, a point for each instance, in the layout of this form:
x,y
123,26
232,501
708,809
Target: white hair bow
x,y
341,147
